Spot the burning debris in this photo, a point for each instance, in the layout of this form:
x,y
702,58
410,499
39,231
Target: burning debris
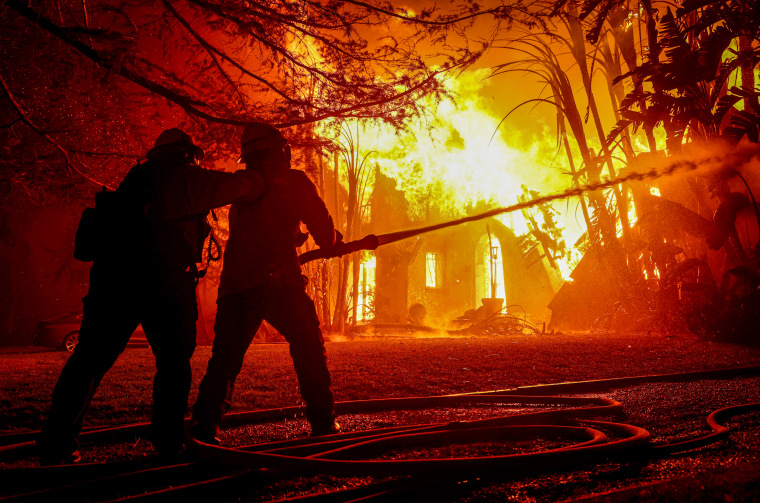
x,y
498,323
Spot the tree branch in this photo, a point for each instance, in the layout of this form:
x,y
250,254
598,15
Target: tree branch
x,y
211,49
208,50
243,26
383,101
191,105
416,20
24,117
188,104
6,126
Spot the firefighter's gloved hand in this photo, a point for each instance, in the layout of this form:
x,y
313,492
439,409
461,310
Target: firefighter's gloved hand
x,y
339,248
300,238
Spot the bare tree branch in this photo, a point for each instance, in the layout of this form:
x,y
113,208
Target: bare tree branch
x,y
211,49
6,126
419,20
209,52
278,48
366,92
24,117
188,104
347,110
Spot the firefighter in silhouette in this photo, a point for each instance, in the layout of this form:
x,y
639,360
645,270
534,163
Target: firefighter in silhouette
x,y
145,272
262,280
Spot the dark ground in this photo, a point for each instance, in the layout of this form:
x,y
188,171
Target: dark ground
x,y
725,471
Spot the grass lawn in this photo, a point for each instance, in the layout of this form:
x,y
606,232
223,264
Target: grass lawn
x,y
395,367
363,369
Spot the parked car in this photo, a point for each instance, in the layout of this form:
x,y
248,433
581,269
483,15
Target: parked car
x,y
63,333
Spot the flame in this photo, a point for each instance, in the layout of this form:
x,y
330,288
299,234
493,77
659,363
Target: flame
x,y
366,302
633,216
489,268
461,159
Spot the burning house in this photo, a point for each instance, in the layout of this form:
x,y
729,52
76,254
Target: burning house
x,y
466,272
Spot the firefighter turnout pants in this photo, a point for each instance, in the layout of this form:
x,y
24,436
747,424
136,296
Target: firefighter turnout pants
x,y
117,301
288,309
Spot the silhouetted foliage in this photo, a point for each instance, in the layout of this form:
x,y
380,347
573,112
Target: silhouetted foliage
x,y
104,78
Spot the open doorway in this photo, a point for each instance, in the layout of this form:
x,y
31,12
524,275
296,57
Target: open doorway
x,y
489,269
366,295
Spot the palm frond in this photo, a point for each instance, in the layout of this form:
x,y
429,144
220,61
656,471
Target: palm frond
x,y
588,7
596,27
711,51
621,126
688,6
725,103
744,123
673,41
726,69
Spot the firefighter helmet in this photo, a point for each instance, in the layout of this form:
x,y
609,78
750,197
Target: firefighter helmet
x,y
175,140
259,136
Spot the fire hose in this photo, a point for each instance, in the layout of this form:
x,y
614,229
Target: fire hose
x,y
371,242
591,441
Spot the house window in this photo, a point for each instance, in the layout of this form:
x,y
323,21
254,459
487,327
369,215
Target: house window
x,y
433,270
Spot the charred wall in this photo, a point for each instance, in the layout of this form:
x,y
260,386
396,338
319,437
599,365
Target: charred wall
x,y
529,281
389,213
402,267
456,291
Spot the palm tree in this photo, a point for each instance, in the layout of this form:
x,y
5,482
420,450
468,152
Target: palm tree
x,y
542,62
576,44
689,97
360,180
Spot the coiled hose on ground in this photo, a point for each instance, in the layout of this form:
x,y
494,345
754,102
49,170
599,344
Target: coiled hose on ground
x,y
218,469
